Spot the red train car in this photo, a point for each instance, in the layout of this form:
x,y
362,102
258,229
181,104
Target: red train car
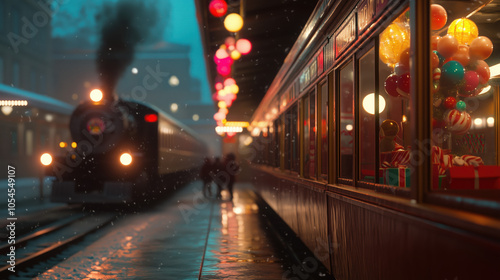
x,y
404,188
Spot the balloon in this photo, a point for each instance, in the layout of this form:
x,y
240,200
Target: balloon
x,y
441,58
481,48
458,122
404,85
450,102
438,17
405,57
390,127
434,60
436,74
452,72
464,30
434,42
447,45
401,69
483,70
462,55
471,79
461,106
391,85
393,41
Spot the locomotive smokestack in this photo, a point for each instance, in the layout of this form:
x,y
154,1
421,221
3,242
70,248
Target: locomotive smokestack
x,y
124,25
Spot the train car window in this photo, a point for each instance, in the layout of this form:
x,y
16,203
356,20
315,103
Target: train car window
x,y
288,140
324,131
346,84
1,70
465,96
310,136
291,121
366,122
276,142
13,142
29,142
394,87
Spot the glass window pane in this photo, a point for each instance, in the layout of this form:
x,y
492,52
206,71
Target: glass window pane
x,y
346,84
324,130
465,115
394,88
294,139
307,135
312,136
367,117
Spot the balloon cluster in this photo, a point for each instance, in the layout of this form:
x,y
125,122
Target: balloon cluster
x,y
459,70
395,52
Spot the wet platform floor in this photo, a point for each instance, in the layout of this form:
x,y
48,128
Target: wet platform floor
x,y
170,242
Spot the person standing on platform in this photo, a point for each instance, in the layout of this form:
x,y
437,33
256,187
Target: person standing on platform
x,y
205,174
232,168
218,175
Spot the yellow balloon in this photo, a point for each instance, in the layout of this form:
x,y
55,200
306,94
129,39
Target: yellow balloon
x,y
393,41
464,30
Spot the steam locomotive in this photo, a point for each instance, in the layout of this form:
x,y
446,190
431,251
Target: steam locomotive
x,y
122,151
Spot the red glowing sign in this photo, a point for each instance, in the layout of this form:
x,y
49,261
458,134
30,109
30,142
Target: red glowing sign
x,y
151,118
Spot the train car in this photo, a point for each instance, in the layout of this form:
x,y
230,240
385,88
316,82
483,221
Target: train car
x,y
123,151
407,187
31,123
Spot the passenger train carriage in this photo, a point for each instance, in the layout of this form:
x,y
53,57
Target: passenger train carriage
x,y
404,188
123,151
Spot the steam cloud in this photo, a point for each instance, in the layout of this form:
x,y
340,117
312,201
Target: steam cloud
x,y
124,25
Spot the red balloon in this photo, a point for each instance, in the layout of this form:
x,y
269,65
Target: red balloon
x,y
434,42
450,102
471,79
483,70
404,85
217,8
438,17
462,55
481,48
391,85
447,45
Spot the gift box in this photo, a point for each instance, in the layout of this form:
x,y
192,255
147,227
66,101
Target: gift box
x,y
474,177
395,158
439,182
399,177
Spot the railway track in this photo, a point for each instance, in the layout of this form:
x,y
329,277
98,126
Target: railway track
x,y
50,241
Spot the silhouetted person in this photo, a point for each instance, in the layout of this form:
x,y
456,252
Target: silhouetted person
x,y
219,175
205,174
232,168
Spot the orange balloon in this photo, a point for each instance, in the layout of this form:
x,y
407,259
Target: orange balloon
x,y
481,48
483,70
462,55
438,17
447,45
434,60
405,57
434,42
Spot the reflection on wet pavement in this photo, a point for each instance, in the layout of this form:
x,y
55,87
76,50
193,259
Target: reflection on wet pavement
x,y
168,243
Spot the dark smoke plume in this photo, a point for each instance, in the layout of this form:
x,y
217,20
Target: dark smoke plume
x,y
124,25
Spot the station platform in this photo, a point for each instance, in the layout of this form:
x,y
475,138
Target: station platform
x,y
185,237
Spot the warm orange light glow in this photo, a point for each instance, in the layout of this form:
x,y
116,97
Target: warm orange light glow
x,y
233,22
46,159
126,159
96,95
63,144
73,145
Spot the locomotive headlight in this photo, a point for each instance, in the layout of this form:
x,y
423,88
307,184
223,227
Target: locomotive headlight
x,y
126,159
96,95
46,159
